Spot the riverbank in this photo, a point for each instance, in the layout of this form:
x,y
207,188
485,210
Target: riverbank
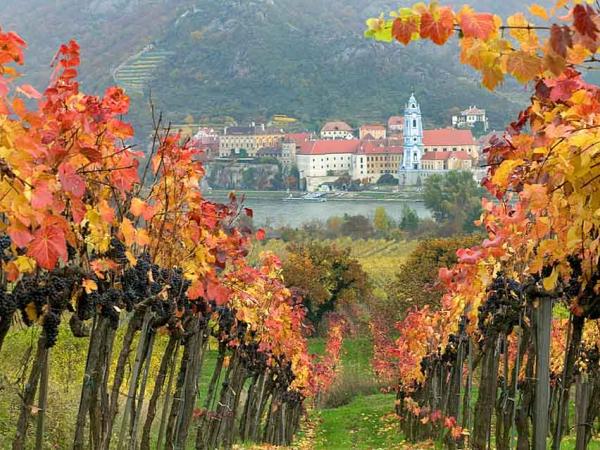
x,y
408,195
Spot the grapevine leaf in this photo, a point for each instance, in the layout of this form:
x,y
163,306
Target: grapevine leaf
x,y
406,27
437,24
524,66
476,25
48,245
561,39
583,20
71,181
539,11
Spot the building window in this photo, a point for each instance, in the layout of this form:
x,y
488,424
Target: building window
x,y
414,123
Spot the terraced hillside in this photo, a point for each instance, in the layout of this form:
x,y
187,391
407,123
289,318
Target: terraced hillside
x,y
136,72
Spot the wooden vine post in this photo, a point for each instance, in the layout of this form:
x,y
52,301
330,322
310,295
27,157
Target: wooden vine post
x,y
542,371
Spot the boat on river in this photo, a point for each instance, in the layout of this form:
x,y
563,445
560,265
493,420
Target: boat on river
x,y
308,197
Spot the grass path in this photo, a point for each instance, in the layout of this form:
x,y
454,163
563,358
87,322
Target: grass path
x,y
364,423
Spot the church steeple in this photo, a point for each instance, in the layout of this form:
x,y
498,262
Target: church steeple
x,y
413,135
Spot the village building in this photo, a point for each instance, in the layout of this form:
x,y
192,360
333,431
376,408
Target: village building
x,y
469,117
438,161
290,146
337,130
371,132
206,135
450,140
249,139
395,125
374,159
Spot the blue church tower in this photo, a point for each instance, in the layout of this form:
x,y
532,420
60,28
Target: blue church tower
x,y
413,136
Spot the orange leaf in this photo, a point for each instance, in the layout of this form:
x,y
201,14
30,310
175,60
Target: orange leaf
x,y
437,24
403,29
137,207
476,25
539,11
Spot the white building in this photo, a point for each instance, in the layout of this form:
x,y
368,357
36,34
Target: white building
x,y
336,130
469,117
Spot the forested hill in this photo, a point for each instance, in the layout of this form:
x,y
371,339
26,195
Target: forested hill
x,y
253,58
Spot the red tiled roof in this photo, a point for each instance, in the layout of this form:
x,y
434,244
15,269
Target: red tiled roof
x,y
336,126
325,147
442,156
447,137
298,137
395,120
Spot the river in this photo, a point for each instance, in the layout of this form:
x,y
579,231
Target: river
x,y
275,212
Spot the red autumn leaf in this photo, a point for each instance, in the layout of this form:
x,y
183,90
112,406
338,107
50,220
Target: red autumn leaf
x,y
476,25
560,39
71,181
404,28
217,292
583,20
48,245
19,234
437,24
29,91
116,100
260,234
249,212
41,196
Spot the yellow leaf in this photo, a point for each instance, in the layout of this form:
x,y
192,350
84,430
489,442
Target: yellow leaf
x,y
504,171
31,311
538,11
130,258
137,207
550,282
25,264
128,232
574,236
89,286
524,66
142,238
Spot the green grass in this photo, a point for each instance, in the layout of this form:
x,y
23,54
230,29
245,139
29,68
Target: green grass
x,y
364,423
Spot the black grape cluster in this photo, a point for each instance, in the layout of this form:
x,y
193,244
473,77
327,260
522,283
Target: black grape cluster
x,y
500,312
588,360
137,284
293,397
7,305
255,361
5,245
448,356
226,322
50,327
45,296
588,299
